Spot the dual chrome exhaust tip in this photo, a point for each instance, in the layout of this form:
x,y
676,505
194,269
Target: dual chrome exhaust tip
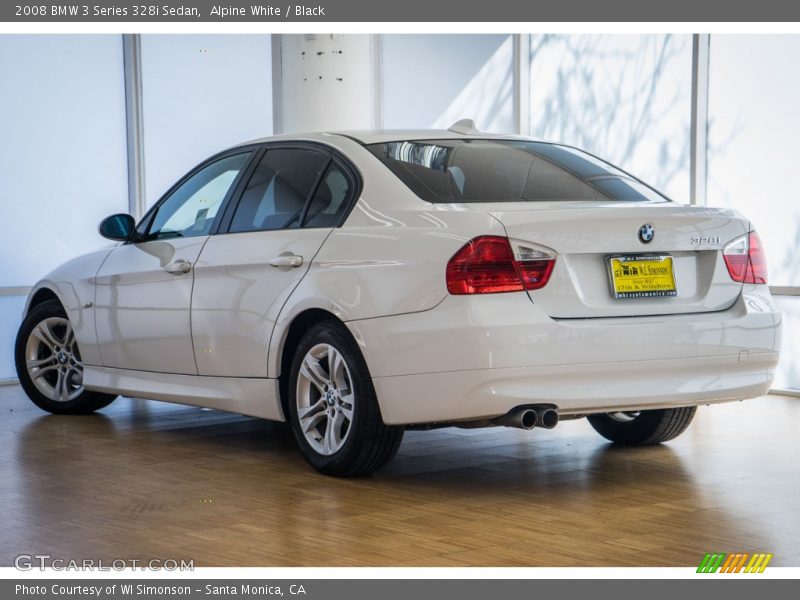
x,y
528,417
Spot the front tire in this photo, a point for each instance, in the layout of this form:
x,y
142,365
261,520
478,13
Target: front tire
x,y
644,428
333,408
49,365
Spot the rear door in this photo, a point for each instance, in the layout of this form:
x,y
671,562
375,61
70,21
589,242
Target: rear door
x,y
286,210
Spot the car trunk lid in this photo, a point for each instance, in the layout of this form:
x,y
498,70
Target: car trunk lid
x,y
585,235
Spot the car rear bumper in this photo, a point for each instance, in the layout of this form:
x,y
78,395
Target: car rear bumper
x,y
474,357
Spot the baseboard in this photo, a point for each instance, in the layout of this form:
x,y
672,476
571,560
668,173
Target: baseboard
x,y
792,393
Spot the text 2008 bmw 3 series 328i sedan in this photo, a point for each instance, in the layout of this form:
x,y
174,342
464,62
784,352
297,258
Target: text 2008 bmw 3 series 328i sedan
x,y
357,284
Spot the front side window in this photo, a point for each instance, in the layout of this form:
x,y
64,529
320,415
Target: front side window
x,y
277,192
191,209
467,171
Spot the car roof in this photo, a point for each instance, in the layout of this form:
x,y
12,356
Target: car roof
x,y
379,136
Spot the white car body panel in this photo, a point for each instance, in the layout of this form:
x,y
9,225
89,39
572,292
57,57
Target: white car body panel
x,y
583,237
434,357
73,283
254,397
238,296
142,311
486,394
480,356
365,271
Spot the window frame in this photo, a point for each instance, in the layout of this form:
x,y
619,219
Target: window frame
x,y
332,155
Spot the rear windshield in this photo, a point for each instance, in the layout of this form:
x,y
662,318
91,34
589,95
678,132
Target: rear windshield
x,y
464,171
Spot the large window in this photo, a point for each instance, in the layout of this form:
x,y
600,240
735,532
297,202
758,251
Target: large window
x,y
753,137
626,98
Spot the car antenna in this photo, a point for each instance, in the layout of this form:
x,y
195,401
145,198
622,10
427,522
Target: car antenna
x,y
464,127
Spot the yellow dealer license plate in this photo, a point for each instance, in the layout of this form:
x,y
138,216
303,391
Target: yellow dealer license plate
x,y
642,276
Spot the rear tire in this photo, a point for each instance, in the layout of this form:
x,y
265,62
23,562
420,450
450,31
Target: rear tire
x,y
333,408
49,365
645,428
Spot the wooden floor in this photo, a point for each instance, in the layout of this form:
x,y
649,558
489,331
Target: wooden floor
x,y
153,480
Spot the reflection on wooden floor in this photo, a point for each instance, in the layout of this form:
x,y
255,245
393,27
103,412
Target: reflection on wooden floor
x,y
151,480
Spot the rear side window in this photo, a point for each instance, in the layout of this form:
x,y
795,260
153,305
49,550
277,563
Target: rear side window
x,y
466,171
330,200
277,191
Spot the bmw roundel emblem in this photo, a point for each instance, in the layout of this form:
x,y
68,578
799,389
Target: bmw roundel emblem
x,y
646,233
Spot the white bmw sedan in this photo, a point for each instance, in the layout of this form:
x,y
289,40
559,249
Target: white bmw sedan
x,y
358,284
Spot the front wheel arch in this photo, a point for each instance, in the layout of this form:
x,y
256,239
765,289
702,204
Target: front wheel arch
x,y
62,360
40,296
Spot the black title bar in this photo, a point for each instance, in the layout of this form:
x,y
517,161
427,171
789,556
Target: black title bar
x,y
464,11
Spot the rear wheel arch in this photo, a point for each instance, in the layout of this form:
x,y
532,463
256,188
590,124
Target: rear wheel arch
x,y
332,407
295,332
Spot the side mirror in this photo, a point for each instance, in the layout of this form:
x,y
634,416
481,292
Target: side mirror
x,y
119,227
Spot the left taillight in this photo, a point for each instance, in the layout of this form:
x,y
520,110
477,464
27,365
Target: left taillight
x,y
745,259
491,264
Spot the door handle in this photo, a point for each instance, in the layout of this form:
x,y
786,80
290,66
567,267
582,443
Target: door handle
x,y
178,267
286,260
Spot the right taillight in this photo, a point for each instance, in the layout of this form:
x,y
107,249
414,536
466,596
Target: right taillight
x,y
488,265
745,259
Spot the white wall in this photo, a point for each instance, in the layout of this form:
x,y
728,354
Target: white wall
x,y
11,308
436,80
200,95
327,82
62,157
62,154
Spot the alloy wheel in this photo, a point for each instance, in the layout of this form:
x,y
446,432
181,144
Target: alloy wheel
x,y
53,361
624,417
325,399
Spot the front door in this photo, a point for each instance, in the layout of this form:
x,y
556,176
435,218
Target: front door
x,y
144,289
